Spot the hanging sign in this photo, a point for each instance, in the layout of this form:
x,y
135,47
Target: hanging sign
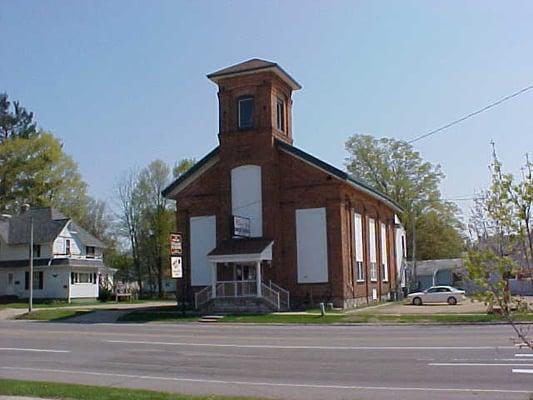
x,y
176,244
176,268
241,226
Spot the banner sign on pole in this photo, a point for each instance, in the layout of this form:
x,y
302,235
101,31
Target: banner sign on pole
x,y
241,226
176,267
176,244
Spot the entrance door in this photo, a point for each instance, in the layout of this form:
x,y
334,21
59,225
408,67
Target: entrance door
x,y
245,275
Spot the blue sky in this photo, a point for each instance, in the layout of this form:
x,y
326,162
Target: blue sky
x,y
123,82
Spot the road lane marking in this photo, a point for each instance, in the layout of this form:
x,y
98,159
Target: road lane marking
x,y
478,365
268,384
33,350
523,355
286,347
523,371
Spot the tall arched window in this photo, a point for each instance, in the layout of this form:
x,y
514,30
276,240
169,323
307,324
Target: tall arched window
x,y
246,196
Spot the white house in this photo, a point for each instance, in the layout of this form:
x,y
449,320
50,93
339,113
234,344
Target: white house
x,y
67,259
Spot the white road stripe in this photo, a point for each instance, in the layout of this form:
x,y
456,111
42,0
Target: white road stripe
x,y
268,384
523,355
268,346
33,350
523,371
478,365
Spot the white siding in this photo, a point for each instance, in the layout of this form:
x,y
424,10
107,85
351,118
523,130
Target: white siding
x,y
312,246
372,239
358,227
384,253
246,196
203,240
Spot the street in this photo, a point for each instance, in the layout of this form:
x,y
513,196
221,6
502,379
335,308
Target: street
x,y
290,362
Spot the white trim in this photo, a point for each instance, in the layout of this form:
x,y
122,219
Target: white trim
x,y
274,68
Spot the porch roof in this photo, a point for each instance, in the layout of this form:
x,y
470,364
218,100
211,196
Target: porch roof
x,y
242,250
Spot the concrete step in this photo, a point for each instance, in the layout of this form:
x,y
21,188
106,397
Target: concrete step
x,y
210,318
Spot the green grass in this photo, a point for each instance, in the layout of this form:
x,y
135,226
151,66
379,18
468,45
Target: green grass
x,y
368,318
74,303
53,314
52,390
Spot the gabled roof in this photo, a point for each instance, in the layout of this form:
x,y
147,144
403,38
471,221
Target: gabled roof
x,y
330,169
252,66
47,225
191,172
210,158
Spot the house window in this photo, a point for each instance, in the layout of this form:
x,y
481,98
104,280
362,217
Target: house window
x,y
280,115
360,271
373,272
358,239
36,251
10,278
90,251
246,110
67,247
82,277
38,280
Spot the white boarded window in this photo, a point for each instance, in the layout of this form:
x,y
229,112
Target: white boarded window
x,y
312,245
246,196
203,240
372,239
372,249
358,227
384,257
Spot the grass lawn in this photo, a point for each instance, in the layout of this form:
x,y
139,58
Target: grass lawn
x,y
74,303
53,314
369,318
51,390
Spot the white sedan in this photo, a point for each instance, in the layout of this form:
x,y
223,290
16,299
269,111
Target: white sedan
x,y
437,294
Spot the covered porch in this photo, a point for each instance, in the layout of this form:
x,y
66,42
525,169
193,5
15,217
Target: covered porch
x,y
237,273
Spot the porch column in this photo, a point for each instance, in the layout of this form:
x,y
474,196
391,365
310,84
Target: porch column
x,y
214,280
258,278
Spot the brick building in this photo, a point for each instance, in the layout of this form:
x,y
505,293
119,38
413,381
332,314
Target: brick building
x,y
267,225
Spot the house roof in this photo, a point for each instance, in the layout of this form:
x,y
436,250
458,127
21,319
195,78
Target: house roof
x,y
47,225
428,267
310,159
252,66
40,262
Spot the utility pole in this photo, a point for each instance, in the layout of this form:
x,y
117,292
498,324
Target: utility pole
x,y
30,300
415,277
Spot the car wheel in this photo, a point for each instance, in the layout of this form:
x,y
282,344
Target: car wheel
x,y
452,301
417,301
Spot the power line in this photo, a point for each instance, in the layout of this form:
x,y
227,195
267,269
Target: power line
x,y
472,114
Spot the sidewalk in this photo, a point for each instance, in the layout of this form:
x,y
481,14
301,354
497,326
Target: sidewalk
x,y
114,310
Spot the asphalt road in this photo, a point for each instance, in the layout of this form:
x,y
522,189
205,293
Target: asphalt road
x,y
289,362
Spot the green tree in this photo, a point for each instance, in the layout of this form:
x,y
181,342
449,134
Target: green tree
x,y
182,166
16,121
35,170
397,170
500,249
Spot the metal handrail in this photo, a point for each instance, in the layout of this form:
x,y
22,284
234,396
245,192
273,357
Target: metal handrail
x,y
206,292
283,292
270,295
